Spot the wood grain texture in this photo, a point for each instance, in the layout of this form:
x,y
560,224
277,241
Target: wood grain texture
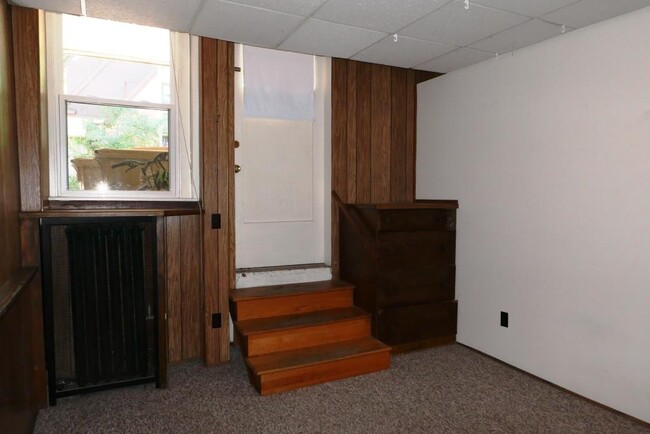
x,y
22,361
364,360
373,135
398,136
339,142
174,291
287,340
21,357
409,287
27,67
161,302
9,192
291,304
411,93
217,143
351,131
191,301
364,128
380,136
225,165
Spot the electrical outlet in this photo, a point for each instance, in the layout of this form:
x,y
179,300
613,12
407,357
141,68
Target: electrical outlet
x,y
504,319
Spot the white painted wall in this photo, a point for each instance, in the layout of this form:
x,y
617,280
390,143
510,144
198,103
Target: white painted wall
x,y
548,152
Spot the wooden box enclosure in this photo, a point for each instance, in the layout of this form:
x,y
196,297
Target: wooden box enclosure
x,y
401,258
100,303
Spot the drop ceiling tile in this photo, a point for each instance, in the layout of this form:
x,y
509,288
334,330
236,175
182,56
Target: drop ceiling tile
x,y
382,15
586,12
72,7
330,39
455,60
405,53
297,7
248,25
168,14
453,24
530,8
528,33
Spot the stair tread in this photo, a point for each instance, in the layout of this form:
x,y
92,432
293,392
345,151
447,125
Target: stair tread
x,y
287,289
262,325
275,362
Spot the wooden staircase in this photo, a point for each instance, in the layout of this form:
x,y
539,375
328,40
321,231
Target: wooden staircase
x,y
303,334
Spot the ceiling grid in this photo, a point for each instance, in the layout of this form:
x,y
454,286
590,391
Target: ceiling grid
x,y
433,35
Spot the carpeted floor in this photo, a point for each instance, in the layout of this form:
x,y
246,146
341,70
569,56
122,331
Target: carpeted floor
x,y
448,389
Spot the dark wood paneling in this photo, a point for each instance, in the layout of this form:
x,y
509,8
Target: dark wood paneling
x,y
19,352
364,128
373,135
351,130
398,136
411,96
380,135
29,108
22,370
217,152
9,193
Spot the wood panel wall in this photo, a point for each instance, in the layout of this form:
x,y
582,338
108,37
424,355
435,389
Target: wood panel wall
x,y
31,107
184,292
373,135
21,358
9,190
20,397
217,187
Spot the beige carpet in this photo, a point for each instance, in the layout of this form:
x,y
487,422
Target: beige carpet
x,y
448,389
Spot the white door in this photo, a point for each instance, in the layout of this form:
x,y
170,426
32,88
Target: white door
x,y
280,192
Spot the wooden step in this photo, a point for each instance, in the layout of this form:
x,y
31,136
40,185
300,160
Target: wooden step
x,y
289,370
291,332
280,300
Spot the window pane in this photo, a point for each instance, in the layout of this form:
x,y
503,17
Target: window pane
x,y
116,79
107,59
117,148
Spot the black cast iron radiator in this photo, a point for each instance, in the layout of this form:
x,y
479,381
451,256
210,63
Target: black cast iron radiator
x,y
109,314
99,297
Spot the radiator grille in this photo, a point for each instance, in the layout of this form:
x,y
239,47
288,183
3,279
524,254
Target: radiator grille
x,y
102,303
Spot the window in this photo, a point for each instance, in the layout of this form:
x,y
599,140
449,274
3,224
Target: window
x,y
120,104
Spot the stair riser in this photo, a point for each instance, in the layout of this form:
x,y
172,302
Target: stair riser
x,y
309,375
291,304
305,337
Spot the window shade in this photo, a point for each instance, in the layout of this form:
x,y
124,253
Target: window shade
x,y
278,84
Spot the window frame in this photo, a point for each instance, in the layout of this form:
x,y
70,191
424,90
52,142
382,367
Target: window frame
x,y
183,122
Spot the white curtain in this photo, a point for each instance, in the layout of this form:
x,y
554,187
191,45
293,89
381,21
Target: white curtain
x,y
278,84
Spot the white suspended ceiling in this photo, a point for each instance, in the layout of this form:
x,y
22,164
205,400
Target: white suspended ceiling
x,y
433,35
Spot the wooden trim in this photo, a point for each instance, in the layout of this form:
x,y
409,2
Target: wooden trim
x,y
109,213
423,204
577,395
217,163
420,345
12,288
161,274
27,33
225,164
71,205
